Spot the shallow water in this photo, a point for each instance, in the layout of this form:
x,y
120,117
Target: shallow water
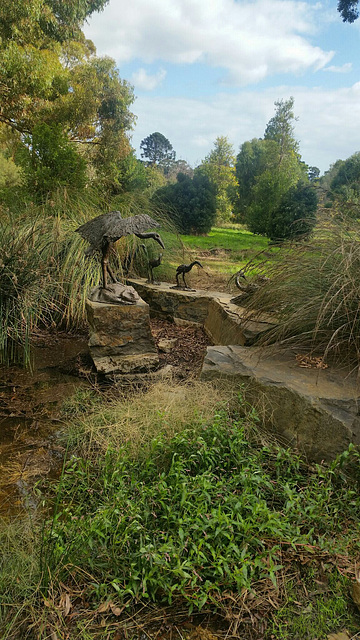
x,y
30,403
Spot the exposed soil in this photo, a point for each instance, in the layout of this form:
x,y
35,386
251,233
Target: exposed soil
x,y
186,349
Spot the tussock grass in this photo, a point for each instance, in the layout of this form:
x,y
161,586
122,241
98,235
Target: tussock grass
x,y
19,575
314,293
44,273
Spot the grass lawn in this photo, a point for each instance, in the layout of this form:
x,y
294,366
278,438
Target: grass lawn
x,y
222,252
235,240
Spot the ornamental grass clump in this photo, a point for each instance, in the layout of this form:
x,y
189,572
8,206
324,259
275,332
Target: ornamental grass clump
x,y
313,292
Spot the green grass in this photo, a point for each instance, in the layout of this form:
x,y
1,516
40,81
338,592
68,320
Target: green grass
x,y
231,239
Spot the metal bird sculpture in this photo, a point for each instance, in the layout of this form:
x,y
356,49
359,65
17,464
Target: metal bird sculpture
x,y
185,268
104,230
152,263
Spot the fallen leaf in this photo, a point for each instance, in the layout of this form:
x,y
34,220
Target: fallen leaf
x,y
116,610
65,604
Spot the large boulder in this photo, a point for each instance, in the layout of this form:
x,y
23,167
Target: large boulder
x,y
316,410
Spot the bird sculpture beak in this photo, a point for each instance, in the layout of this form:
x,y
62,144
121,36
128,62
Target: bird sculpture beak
x,y
160,242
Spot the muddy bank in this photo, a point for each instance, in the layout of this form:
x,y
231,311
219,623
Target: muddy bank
x,y
30,403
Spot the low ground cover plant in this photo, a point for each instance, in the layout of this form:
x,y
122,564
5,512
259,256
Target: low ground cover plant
x,y
205,516
189,511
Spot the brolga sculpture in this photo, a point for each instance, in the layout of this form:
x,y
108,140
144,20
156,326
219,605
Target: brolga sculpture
x,y
185,268
152,263
104,230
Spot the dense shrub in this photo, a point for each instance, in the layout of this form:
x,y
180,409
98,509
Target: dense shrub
x,y
296,214
189,202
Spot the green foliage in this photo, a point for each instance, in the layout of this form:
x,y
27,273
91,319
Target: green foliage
x,y
280,128
194,516
190,203
219,167
267,169
348,10
157,150
345,184
57,20
313,173
51,161
295,217
50,74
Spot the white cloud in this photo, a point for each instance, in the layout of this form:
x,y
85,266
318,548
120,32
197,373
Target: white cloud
x,y
327,127
345,68
249,39
148,82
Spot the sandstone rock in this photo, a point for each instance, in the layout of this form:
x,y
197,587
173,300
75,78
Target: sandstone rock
x,y
167,345
174,303
226,323
120,337
315,410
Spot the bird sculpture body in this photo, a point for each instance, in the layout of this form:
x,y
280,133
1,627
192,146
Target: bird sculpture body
x,y
104,230
152,264
185,268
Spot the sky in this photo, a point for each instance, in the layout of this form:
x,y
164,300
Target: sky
x,y
208,68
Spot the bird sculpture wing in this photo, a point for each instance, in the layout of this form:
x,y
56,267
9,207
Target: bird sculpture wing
x,y
111,226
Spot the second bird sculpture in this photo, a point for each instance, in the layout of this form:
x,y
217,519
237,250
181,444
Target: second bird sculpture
x,y
185,268
152,264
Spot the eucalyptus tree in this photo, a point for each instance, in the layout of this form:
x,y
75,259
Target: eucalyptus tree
x,y
51,76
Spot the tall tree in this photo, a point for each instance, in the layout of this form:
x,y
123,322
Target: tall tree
x,y
251,162
280,128
50,74
157,150
268,168
219,166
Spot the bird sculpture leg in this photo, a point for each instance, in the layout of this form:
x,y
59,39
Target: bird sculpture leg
x,y
111,273
105,263
183,275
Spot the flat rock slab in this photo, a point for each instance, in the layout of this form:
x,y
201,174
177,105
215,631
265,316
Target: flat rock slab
x,y
224,322
120,337
315,410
